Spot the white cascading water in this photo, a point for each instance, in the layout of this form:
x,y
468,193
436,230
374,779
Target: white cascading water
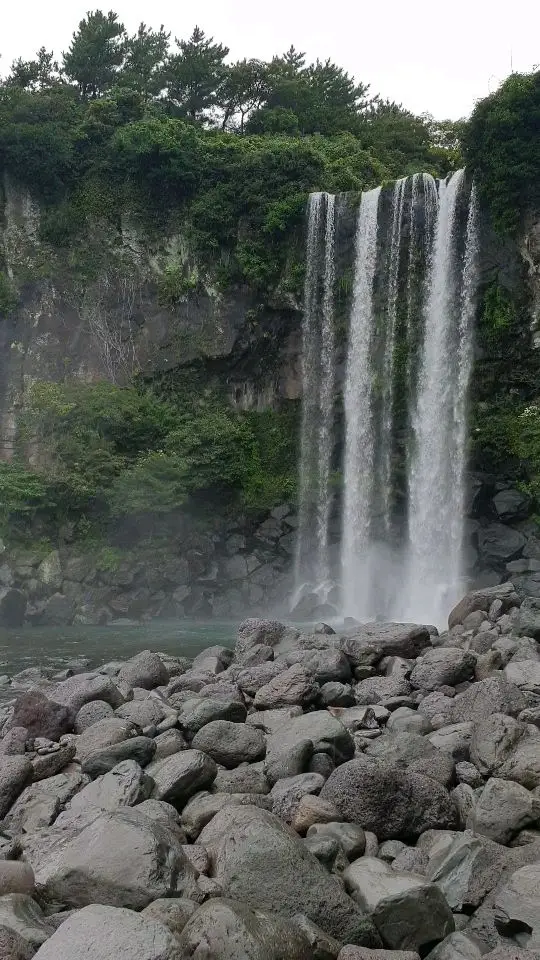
x,y
318,378
359,444
388,380
437,465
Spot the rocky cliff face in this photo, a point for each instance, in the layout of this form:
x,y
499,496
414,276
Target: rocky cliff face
x,y
127,304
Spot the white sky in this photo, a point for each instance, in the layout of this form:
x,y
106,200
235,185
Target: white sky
x,y
436,59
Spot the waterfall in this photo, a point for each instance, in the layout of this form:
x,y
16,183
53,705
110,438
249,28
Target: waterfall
x,y
439,423
359,443
388,383
318,378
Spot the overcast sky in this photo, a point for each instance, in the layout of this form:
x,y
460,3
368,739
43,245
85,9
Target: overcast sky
x,y
432,58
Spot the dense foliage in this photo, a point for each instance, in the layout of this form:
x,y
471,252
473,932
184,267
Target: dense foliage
x,y
230,148
502,149
102,452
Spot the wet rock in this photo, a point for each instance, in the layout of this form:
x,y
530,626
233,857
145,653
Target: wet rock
x,y
390,802
42,717
179,777
246,843
85,687
230,744
101,735
143,713
104,931
146,670
408,911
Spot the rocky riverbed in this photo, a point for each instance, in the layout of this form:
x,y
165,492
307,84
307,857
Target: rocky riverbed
x,y
372,793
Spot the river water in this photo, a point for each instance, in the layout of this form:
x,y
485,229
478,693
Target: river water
x,y
56,647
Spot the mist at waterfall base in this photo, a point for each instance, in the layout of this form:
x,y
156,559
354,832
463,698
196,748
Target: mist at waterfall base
x,y
386,543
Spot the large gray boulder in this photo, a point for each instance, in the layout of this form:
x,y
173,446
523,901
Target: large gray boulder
x,y
146,670
390,802
525,674
408,911
480,700
22,915
517,907
100,932
482,600
324,665
179,777
369,643
42,717
230,744
415,753
457,946
15,773
497,544
293,686
528,622
139,749
493,740
85,687
121,859
269,633
523,763
287,794
259,860
124,786
465,869
39,803
503,809
105,733
228,930
326,733
442,666
197,712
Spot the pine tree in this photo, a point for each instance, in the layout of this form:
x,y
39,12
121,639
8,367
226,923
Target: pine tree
x,y
196,74
96,53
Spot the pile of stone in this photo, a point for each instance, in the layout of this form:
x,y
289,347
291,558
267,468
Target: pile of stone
x,y
370,794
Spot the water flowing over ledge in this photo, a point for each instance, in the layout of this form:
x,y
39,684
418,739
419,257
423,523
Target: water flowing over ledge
x,y
407,369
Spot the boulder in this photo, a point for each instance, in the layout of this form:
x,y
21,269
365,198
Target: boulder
x,y
350,836
493,741
40,803
254,677
388,801
503,809
104,931
324,665
22,915
168,743
480,700
313,810
16,877
120,859
125,786
325,732
405,720
453,739
42,717
144,713
197,712
370,642
525,674
247,844
269,633
287,794
517,906
457,946
139,749
293,686
173,914
466,870
101,735
146,670
528,622
15,772
364,953
49,764
12,607
13,947
91,713
511,505
226,930
523,763
179,777
376,689
414,753
230,744
85,687
482,600
497,544
408,911
244,779
442,666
